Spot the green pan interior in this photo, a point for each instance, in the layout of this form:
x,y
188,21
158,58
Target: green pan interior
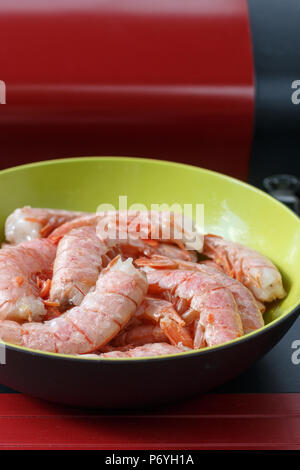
x,y
231,208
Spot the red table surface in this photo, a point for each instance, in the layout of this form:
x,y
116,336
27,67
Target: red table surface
x,y
213,421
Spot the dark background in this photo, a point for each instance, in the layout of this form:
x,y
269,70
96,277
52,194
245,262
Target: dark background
x,y
275,30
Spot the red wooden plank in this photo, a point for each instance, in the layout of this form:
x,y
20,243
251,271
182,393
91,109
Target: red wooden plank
x,y
233,421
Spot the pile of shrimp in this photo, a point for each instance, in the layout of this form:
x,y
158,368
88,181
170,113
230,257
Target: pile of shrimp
x,y
67,286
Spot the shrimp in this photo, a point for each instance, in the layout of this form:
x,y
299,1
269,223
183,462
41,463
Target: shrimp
x,y
19,266
140,225
248,266
103,312
248,307
80,257
147,350
136,247
212,264
29,223
162,312
138,335
155,320
77,265
199,296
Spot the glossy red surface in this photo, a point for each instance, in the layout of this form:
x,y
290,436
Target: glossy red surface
x,y
171,80
214,421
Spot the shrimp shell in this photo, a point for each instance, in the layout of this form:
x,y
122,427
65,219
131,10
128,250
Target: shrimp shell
x,y
163,313
157,226
79,259
147,350
248,307
29,223
77,265
138,335
246,265
102,314
218,319
19,293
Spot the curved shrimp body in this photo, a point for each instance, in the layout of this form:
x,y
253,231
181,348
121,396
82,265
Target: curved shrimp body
x,y
199,296
134,248
155,320
77,265
164,314
19,265
147,350
139,225
248,307
102,314
248,266
29,223
169,227
249,311
138,335
172,251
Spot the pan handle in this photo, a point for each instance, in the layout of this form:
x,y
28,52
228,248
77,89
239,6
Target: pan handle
x,y
285,188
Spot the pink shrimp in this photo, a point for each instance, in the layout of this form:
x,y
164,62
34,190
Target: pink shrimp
x,y
163,313
155,320
212,264
81,255
139,225
136,247
248,266
202,297
138,335
172,251
131,246
248,307
147,350
77,265
29,223
19,265
119,290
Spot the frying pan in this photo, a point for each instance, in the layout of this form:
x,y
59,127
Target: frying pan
x,y
231,208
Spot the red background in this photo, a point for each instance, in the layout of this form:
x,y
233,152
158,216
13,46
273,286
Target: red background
x,y
171,80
